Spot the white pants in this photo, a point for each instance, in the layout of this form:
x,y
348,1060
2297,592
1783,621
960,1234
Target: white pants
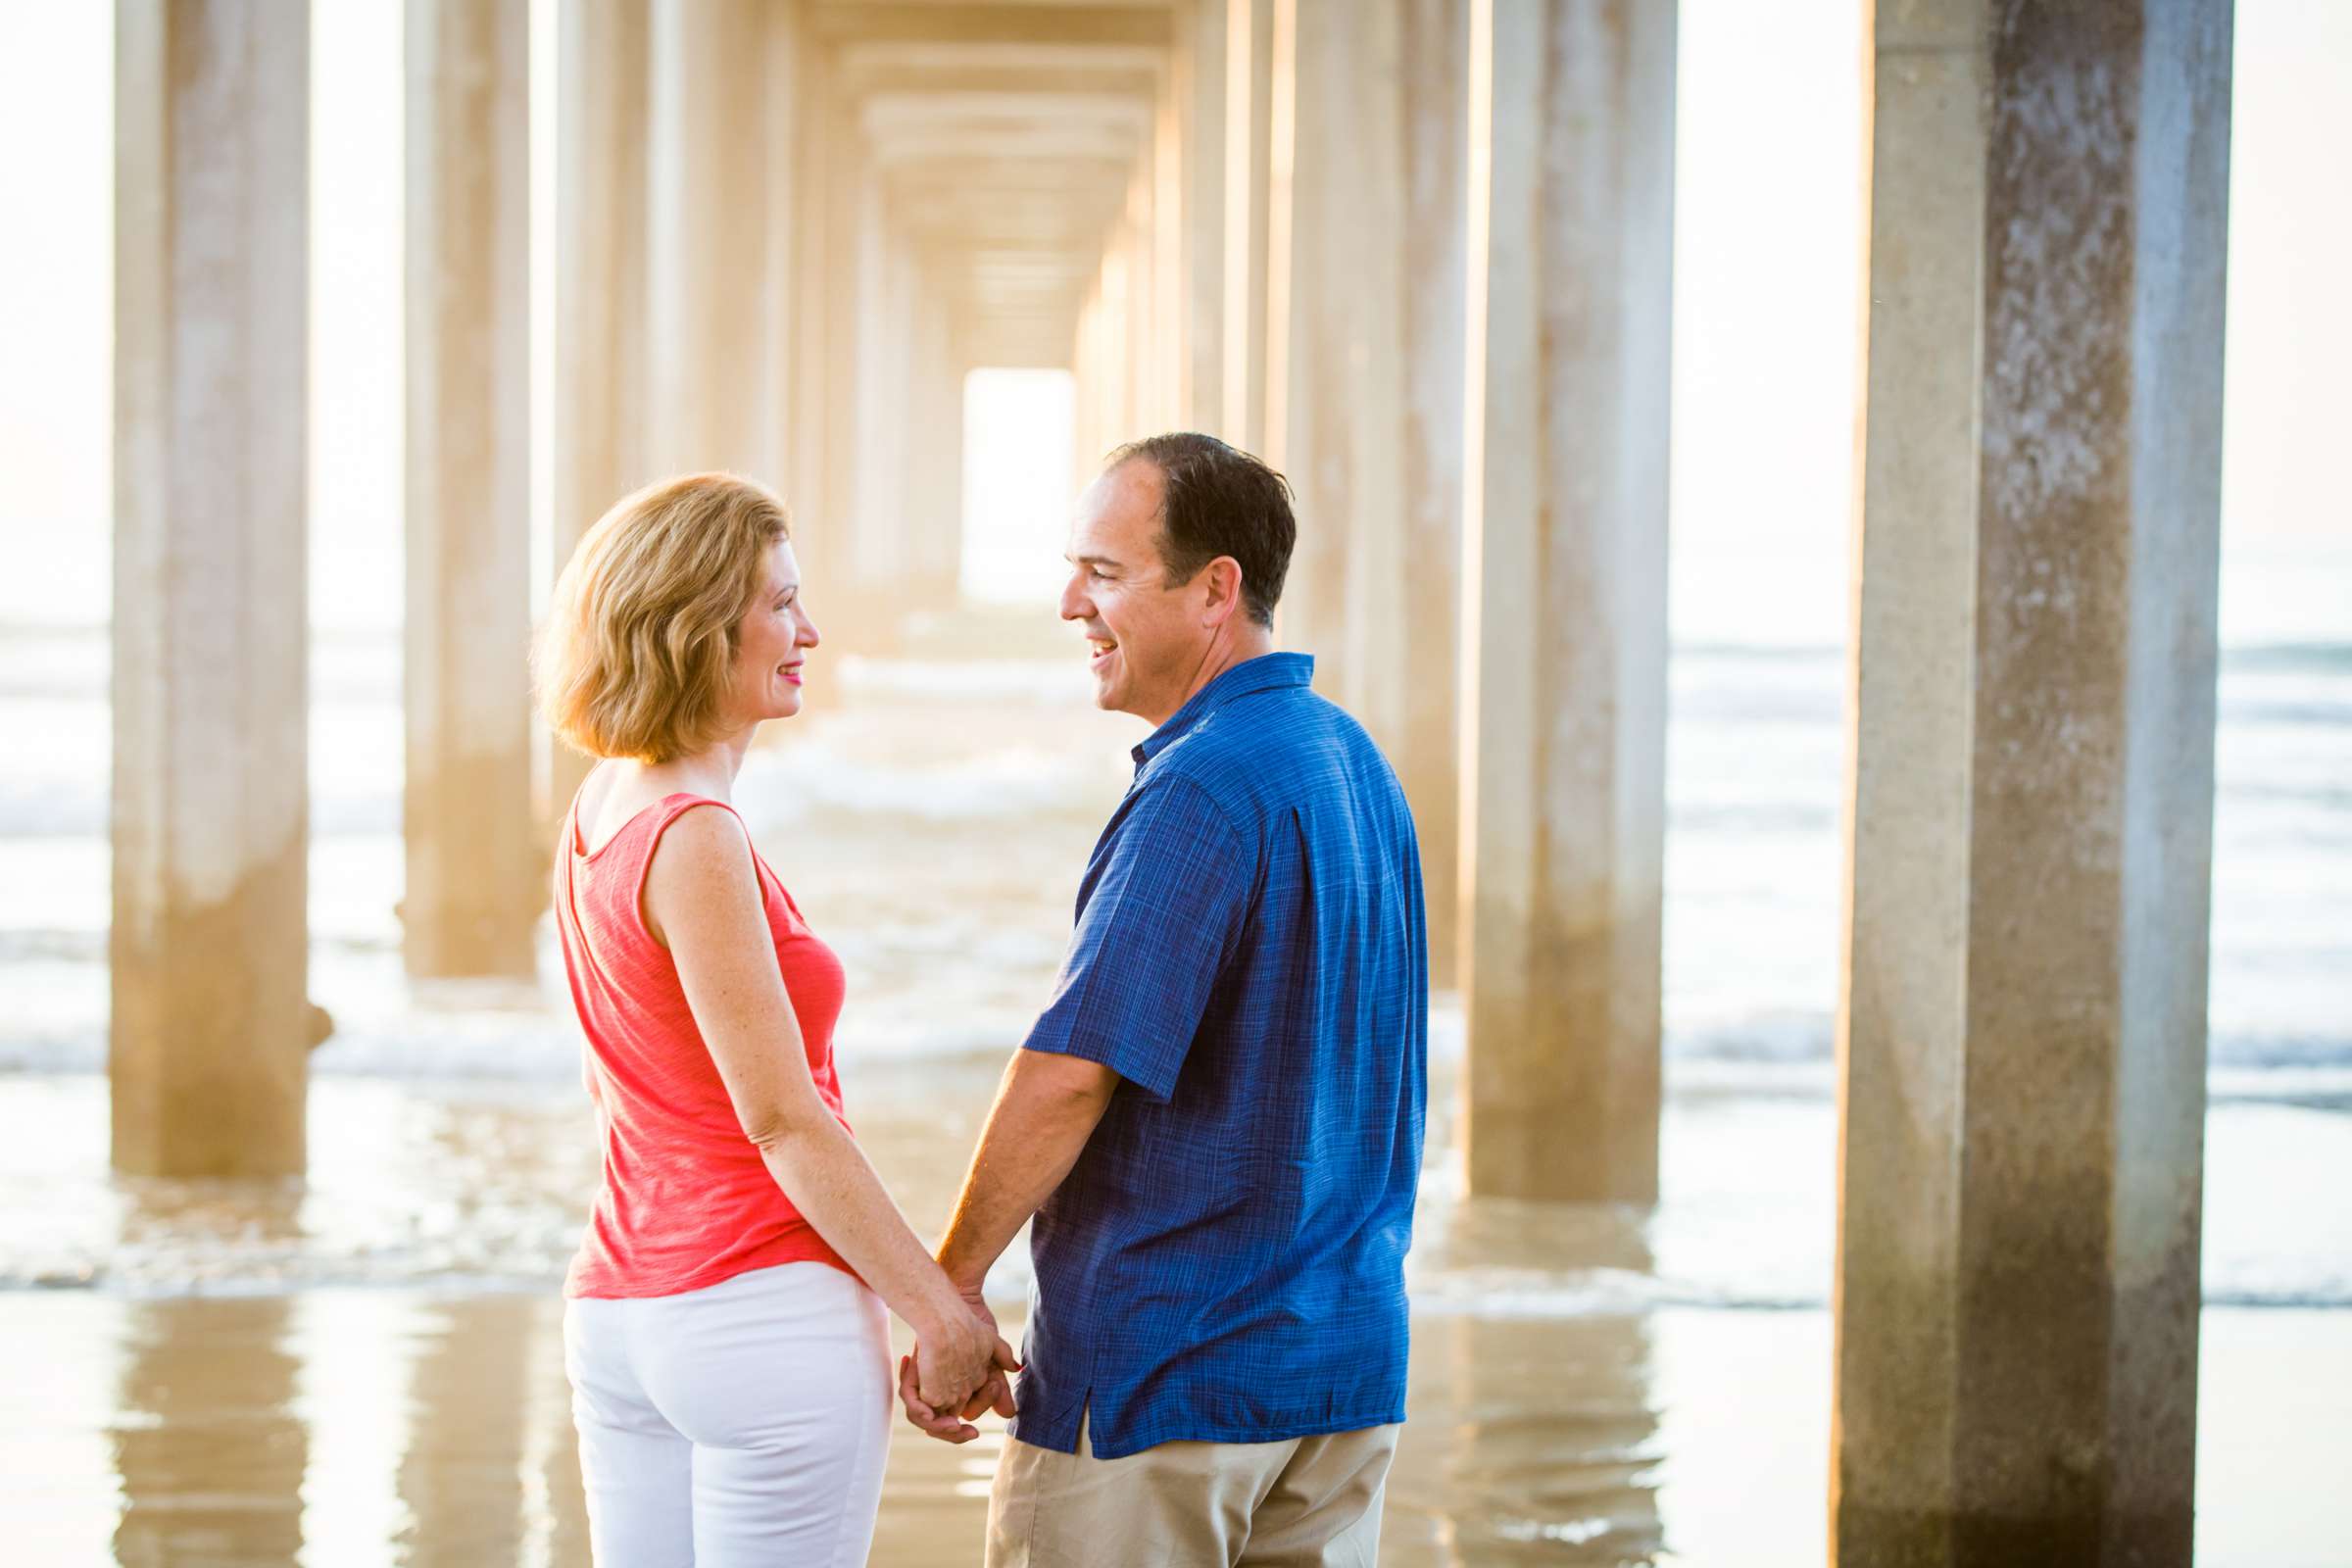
x,y
742,1424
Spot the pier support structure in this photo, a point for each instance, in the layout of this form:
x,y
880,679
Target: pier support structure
x,y
1563,743
708,158
2023,1025
600,301
477,868
210,1027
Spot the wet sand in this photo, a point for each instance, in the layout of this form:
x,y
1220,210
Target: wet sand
x,y
339,1428
366,1367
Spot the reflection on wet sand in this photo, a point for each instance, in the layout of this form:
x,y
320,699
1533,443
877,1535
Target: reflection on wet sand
x,y
490,1432
342,1427
1531,1441
1554,1435
1589,1386
210,1448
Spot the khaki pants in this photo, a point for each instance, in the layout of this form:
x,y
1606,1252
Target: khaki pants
x,y
1305,1502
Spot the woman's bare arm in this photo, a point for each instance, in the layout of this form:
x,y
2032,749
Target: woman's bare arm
x,y
702,901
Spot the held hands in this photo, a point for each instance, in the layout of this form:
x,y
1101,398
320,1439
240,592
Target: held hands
x,y
956,1371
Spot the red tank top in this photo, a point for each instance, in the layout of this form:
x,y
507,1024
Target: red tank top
x,y
686,1200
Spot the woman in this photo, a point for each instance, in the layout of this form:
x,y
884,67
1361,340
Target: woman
x,y
724,1330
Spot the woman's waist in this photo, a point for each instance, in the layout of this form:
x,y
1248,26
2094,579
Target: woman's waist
x,y
616,1258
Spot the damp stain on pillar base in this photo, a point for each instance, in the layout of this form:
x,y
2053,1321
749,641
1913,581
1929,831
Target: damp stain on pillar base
x,y
211,1032
1891,1537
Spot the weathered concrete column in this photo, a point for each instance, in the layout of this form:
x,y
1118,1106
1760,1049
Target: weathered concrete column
x,y
1570,267
1197,83
1090,368
1249,135
784,70
931,437
1434,124
1164,239
1142,404
1106,355
475,864
708,257
210,1028
820,432
2023,1029
896,559
1335,351
600,358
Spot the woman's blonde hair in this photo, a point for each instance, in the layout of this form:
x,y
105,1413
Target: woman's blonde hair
x,y
643,628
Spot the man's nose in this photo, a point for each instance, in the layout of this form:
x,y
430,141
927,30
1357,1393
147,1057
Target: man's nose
x,y
1074,605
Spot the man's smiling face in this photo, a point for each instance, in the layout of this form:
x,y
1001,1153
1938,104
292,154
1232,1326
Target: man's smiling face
x,y
1146,636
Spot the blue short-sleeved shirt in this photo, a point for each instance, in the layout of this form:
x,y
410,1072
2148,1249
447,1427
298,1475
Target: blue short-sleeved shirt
x,y
1226,1260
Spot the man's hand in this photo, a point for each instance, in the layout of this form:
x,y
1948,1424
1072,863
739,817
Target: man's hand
x,y
946,1419
1046,1109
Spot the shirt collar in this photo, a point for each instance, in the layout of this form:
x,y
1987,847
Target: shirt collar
x,y
1265,672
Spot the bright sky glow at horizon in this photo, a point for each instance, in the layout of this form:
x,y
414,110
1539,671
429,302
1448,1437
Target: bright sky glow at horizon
x,y
1768,248
1018,431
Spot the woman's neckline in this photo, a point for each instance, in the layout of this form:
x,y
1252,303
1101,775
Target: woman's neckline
x,y
580,836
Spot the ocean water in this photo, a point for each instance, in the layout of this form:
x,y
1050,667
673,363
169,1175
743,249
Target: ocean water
x,y
1002,767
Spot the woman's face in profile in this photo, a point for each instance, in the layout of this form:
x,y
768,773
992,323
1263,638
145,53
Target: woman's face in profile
x,y
772,642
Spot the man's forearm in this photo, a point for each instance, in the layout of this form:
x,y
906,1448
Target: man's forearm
x,y
1046,1109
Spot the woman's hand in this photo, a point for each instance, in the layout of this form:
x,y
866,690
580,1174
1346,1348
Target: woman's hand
x,y
956,1371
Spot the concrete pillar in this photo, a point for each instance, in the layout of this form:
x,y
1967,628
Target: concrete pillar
x,y
208,947
1249,37
707,259
905,519
1142,325
1198,85
1335,351
2022,1028
1434,127
824,283
1108,399
931,437
781,70
475,864
1089,366
885,303
1570,267
818,429
601,352
1165,408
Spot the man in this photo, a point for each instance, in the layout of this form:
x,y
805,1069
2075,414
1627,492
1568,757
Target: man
x,y
1217,1120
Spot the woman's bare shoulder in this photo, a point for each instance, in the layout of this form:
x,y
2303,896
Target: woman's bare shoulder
x,y
700,877
704,843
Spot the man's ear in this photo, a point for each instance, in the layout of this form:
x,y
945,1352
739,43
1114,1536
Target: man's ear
x,y
1224,579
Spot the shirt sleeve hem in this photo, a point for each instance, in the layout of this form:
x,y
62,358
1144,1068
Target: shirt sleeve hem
x,y
1157,1085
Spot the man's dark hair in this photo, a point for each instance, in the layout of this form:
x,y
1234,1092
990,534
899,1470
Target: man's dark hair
x,y
1217,501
